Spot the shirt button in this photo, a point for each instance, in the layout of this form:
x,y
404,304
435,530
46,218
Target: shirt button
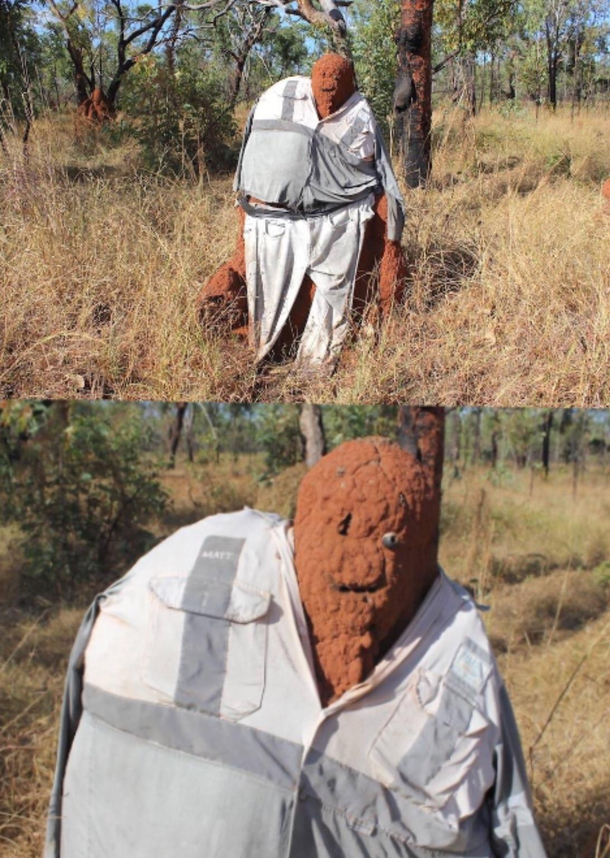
x,y
302,794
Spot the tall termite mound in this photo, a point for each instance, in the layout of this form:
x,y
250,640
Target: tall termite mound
x,y
96,108
366,541
333,81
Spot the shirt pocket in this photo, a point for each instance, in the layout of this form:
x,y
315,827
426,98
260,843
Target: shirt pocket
x,y
436,750
207,644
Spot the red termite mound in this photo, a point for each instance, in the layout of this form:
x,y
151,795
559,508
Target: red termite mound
x,y
332,82
366,540
225,293
96,108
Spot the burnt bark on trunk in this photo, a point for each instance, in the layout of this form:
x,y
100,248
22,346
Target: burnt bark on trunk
x,y
546,442
476,436
413,93
421,431
82,82
553,57
312,431
495,435
175,432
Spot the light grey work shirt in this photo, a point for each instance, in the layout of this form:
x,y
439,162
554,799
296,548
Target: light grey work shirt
x,y
307,165
192,724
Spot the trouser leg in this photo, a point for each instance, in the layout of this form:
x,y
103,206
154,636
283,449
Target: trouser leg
x,y
277,252
336,242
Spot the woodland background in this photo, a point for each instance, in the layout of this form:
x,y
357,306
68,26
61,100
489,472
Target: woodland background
x,y
86,488
116,208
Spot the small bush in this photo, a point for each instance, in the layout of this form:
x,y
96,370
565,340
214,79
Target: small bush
x,y
601,573
186,127
82,494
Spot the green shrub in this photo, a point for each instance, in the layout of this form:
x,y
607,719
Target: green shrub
x,y
181,120
375,54
601,573
81,492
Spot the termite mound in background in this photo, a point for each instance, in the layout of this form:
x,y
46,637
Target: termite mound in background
x,y
97,108
366,541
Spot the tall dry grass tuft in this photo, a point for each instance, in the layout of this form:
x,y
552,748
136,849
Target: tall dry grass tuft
x,y
32,658
509,288
561,695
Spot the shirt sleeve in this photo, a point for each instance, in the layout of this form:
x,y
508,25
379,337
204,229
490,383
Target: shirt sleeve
x,y
514,831
396,203
71,712
363,143
247,130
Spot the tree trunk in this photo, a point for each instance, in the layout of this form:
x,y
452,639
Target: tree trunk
x,y
552,65
553,85
82,83
236,80
175,432
421,431
454,432
476,437
492,79
413,93
172,41
495,434
546,441
470,81
312,430
190,442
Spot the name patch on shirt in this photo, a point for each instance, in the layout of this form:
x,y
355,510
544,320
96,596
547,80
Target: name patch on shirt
x,y
470,668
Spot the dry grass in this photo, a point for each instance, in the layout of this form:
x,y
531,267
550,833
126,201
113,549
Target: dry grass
x,y
551,628
33,656
509,299
197,490
507,526
568,760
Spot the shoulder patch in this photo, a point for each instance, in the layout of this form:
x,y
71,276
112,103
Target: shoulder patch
x,y
470,668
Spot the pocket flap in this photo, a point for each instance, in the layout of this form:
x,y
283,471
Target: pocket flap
x,y
198,594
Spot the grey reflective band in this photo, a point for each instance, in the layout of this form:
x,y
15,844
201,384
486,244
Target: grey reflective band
x,y
205,640
235,745
436,742
282,125
288,106
374,808
218,558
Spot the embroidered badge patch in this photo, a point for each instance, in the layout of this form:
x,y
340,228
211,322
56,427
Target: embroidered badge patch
x,y
471,667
